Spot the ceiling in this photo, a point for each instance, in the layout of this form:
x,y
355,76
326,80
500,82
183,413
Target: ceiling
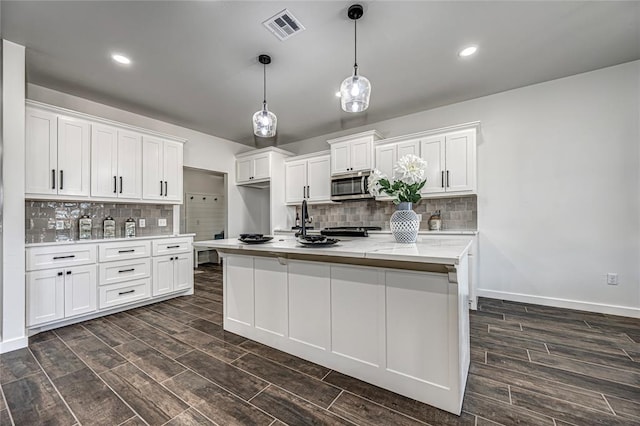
x,y
195,63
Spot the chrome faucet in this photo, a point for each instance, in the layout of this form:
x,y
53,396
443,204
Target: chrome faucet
x,y
305,218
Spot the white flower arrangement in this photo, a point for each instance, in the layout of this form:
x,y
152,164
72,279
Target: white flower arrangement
x,y
405,184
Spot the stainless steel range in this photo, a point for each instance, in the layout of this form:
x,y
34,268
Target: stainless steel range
x,y
349,231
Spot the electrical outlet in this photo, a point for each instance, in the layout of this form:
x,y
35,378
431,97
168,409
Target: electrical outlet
x,y
162,222
142,223
612,278
420,217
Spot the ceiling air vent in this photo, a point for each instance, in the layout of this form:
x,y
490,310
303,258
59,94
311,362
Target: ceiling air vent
x,y
283,25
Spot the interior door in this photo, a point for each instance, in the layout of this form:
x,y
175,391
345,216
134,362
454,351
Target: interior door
x,y
129,165
74,157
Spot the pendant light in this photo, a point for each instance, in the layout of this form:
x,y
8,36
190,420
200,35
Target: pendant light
x,y
264,121
356,89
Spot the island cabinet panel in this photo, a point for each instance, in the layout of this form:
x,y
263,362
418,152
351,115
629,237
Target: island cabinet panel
x,y
239,296
414,348
357,305
270,287
309,304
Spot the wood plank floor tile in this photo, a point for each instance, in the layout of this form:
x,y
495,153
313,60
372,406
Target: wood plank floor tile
x,y
164,343
621,360
293,410
134,421
91,400
567,377
214,402
174,313
17,364
95,353
225,375
125,321
543,386
564,410
32,400
193,337
155,404
110,334
159,321
624,407
316,391
72,332
481,421
42,336
56,358
222,350
487,387
496,345
504,413
160,367
361,411
411,407
5,419
216,331
291,361
190,418
587,368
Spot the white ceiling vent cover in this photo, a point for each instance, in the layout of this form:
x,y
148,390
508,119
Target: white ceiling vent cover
x,y
283,25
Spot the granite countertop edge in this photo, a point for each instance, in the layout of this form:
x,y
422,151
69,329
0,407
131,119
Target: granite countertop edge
x,y
105,240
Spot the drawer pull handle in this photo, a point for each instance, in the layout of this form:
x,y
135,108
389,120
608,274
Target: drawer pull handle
x,y
68,272
126,270
173,246
126,292
59,274
64,257
126,251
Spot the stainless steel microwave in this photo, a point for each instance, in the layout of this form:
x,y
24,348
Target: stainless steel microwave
x,y
352,186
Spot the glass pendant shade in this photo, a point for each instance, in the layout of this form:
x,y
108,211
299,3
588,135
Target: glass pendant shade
x,y
354,93
264,123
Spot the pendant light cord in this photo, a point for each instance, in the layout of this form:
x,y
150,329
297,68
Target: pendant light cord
x,y
355,47
264,86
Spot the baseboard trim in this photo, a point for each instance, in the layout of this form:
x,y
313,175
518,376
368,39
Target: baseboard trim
x,y
13,344
601,308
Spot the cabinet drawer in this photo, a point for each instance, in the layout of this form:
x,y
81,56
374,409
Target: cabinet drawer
x,y
124,293
125,270
124,250
60,256
172,246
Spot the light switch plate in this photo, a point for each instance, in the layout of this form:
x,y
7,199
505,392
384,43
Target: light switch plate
x,y
162,222
142,223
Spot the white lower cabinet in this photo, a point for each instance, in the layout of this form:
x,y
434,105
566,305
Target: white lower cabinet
x,y
270,290
124,293
54,294
172,273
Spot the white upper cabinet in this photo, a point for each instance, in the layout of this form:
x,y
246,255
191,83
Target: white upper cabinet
x,y
451,162
253,168
57,154
116,163
387,155
161,169
308,178
352,153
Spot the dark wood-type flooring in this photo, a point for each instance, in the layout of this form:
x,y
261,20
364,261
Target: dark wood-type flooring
x,y
172,363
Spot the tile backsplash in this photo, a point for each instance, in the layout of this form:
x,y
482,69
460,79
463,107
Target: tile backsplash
x,y
48,221
458,213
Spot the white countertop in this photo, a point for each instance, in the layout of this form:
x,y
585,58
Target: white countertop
x,y
105,240
387,232
447,251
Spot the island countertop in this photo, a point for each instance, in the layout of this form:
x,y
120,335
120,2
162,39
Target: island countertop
x,y
432,250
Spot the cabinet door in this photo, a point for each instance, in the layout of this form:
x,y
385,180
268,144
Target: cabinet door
x,y
432,149
238,287
270,279
152,165
409,147
309,303
183,271
172,166
244,169
129,165
45,296
340,158
104,161
460,162
162,275
74,157
319,178
361,154
80,295
295,178
40,152
262,166
386,159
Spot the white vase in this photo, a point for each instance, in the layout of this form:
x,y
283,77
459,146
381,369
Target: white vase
x,y
405,224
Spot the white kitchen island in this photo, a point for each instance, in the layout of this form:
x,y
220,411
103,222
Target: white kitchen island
x,y
394,315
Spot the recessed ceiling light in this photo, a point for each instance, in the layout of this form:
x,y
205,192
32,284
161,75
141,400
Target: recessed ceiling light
x,y
121,59
468,51
338,94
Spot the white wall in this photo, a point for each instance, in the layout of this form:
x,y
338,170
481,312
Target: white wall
x,y
13,259
558,187
202,151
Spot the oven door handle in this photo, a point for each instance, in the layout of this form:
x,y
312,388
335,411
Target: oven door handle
x,y
362,184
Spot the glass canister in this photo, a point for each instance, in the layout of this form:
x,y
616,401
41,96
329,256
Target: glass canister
x,y
84,227
109,227
130,228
